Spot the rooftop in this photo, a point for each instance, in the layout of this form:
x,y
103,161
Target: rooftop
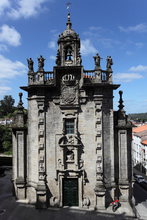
x,y
140,128
141,132
144,142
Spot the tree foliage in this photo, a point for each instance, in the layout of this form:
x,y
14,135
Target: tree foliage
x,y
140,117
5,139
6,111
7,106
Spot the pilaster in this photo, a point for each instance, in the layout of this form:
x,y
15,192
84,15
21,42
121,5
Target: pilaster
x,y
19,134
99,187
41,187
123,159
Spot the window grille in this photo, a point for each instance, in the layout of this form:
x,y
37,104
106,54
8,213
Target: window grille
x,y
69,126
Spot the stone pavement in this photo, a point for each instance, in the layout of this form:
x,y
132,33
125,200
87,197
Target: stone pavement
x,y
141,205
12,210
15,211
140,201
141,212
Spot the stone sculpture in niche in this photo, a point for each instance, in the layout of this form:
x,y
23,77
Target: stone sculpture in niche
x,y
86,202
70,139
69,155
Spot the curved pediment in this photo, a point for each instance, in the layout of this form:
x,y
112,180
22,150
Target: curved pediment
x,y
69,139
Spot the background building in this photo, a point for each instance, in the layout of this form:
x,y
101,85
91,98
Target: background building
x,y
139,148
71,149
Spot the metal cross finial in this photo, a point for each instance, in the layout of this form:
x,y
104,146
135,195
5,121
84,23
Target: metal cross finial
x,y
68,4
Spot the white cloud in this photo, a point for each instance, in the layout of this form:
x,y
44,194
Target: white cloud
x,y
4,90
140,28
52,44
87,47
9,35
94,28
10,69
139,68
4,4
109,43
139,44
94,32
127,77
53,57
27,8
129,53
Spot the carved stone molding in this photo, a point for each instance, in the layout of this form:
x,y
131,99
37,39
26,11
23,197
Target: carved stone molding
x,y
41,148
99,150
70,140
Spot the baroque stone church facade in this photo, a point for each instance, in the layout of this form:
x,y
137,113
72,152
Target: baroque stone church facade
x,y
71,148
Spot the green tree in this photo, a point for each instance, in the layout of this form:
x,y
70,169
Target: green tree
x,y
7,105
1,137
5,139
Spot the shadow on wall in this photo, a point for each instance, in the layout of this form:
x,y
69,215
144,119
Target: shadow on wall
x,y
5,160
139,194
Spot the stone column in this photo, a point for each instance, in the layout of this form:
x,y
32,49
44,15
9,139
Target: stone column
x,y
124,165
124,157
19,135
21,166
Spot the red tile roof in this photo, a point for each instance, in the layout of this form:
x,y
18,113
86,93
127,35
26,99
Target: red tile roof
x,y
144,142
140,128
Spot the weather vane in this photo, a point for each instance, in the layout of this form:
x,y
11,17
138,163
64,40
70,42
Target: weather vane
x,y
68,4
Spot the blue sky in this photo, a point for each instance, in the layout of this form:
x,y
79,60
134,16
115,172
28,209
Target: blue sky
x,y
30,28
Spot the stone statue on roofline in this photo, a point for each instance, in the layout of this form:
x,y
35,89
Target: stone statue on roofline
x,y
41,63
109,62
97,60
30,65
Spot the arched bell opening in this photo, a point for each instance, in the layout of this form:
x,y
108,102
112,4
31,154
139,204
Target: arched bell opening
x,y
68,54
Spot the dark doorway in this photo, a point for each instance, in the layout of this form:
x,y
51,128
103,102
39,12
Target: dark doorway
x,y
70,192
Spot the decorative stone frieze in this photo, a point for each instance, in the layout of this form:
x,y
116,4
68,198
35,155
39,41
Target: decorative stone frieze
x,y
41,188
99,188
71,151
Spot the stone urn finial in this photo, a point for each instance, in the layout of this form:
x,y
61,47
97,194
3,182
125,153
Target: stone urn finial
x,y
121,106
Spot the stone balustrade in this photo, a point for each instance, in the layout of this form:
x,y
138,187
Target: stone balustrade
x,y
40,77
97,76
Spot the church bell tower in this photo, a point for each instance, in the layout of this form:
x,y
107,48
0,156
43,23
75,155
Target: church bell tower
x,y
68,47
